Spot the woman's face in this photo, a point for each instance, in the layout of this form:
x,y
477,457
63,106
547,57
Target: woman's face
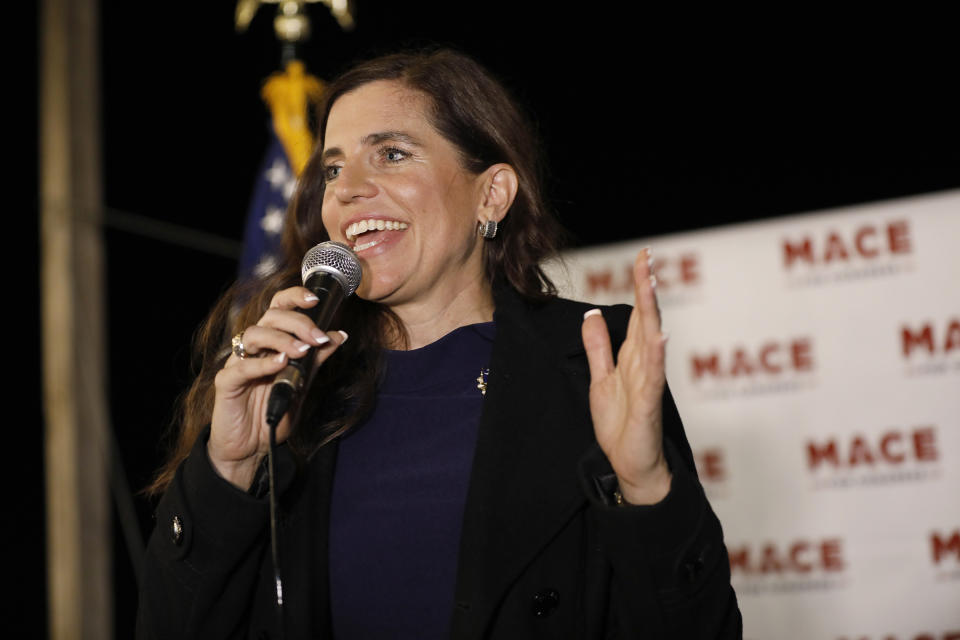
x,y
397,194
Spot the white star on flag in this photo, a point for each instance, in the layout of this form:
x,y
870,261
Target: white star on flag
x,y
272,221
277,175
266,266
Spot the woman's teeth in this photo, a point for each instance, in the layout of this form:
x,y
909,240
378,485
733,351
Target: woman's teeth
x,y
366,245
363,226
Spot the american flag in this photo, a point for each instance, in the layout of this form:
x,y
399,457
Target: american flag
x,y
272,191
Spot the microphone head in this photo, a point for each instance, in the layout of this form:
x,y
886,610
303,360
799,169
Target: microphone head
x,y
336,259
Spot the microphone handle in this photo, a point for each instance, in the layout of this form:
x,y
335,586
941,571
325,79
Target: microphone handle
x,y
288,384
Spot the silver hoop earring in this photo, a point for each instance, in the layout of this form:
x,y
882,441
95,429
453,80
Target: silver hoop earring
x,y
489,230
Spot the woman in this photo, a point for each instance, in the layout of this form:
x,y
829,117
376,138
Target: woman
x,y
472,463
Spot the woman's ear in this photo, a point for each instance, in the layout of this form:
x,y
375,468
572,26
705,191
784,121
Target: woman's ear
x,y
498,186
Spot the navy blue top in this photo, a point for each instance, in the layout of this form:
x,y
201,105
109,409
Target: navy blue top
x,y
399,492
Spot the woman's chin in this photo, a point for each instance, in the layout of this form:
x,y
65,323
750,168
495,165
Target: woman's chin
x,y
378,290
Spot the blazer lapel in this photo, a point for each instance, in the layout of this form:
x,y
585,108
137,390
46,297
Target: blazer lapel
x,y
524,486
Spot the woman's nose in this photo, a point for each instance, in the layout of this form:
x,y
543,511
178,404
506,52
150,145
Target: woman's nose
x,y
354,182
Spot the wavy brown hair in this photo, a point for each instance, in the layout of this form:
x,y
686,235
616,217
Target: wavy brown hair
x,y
475,113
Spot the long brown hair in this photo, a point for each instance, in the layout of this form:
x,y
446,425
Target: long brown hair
x,y
474,112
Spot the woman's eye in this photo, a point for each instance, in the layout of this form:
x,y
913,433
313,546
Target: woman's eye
x,y
391,154
331,172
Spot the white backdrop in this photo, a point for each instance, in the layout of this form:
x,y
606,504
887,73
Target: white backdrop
x,y
815,360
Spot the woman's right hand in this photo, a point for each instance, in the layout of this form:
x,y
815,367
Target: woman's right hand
x,y
239,434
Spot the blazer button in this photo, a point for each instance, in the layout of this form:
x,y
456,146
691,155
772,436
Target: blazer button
x,y
693,570
545,601
176,530
694,567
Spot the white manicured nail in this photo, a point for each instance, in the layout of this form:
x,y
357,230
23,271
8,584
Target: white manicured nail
x,y
663,336
653,281
280,357
319,337
592,312
310,297
344,334
303,346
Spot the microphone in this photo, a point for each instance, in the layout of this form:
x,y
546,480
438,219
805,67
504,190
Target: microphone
x,y
332,272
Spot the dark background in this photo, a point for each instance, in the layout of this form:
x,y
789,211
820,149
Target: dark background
x,y
652,123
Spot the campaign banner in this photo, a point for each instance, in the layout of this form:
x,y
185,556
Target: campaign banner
x,y
815,360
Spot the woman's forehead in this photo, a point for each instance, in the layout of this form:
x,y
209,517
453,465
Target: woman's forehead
x,y
377,103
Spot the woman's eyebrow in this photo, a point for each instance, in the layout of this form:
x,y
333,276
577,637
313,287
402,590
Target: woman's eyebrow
x,y
390,136
330,153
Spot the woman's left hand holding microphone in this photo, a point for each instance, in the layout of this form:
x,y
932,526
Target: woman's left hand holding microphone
x,y
626,398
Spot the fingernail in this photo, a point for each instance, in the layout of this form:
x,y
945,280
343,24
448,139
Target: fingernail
x,y
319,336
649,256
310,297
280,357
344,334
592,312
301,346
663,336
653,281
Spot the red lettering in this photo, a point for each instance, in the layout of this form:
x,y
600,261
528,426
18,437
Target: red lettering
x,y
835,249
831,555
817,454
862,233
769,358
943,546
739,559
889,437
803,251
711,465
709,364
898,237
860,452
924,445
769,561
953,336
765,352
741,364
894,447
866,241
802,358
795,551
599,281
801,556
688,269
910,339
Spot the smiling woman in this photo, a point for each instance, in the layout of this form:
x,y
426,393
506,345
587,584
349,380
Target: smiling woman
x,y
450,473
385,162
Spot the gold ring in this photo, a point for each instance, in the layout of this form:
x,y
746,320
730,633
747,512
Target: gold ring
x,y
237,345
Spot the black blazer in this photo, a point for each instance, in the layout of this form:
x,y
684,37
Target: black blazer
x,y
543,554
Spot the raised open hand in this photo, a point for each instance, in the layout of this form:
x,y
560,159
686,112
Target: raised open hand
x,y
626,399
